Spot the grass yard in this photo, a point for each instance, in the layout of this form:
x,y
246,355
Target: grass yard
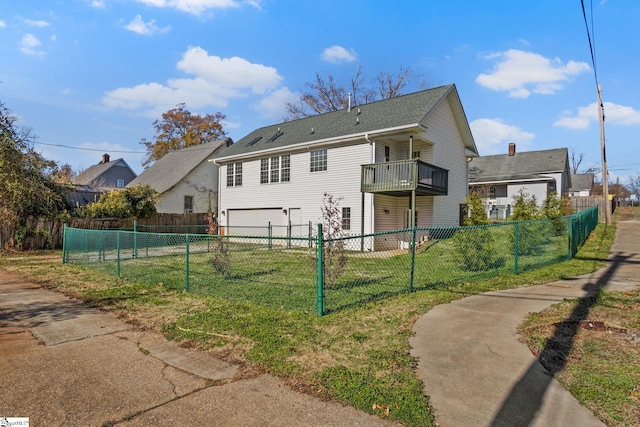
x,y
358,355
286,278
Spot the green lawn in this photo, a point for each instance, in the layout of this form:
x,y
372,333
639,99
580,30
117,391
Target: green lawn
x,y
358,355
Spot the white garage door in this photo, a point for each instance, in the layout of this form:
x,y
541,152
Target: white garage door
x,y
254,222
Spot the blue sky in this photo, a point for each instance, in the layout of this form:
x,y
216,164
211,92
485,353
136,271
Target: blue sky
x,y
95,74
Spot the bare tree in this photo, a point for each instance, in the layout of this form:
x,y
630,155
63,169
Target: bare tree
x,y
575,161
325,94
634,185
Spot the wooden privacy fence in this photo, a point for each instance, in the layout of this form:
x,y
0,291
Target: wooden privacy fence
x,y
47,233
582,203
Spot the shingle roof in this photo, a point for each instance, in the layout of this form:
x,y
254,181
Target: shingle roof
x,y
530,165
581,181
402,111
91,175
171,168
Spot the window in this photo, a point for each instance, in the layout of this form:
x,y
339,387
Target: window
x,y
188,204
285,168
387,153
492,192
346,218
264,171
275,169
318,160
234,174
120,183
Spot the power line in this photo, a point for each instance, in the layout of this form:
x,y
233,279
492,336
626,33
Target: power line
x,y
89,149
591,44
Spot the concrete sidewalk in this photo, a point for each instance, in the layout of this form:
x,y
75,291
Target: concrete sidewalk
x,y
65,364
475,371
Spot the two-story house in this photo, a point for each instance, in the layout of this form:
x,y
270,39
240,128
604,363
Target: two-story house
x,y
393,163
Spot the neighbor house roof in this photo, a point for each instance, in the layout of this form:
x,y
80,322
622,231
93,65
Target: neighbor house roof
x,y
581,181
525,166
91,175
389,115
165,173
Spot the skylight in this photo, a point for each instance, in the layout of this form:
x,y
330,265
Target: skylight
x,y
275,136
254,140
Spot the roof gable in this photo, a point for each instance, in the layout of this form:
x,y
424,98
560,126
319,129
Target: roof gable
x,y
528,165
165,173
404,111
92,175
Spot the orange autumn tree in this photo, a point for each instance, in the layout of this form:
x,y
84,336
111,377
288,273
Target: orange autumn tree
x,y
179,128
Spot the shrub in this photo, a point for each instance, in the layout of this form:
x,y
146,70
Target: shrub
x,y
475,249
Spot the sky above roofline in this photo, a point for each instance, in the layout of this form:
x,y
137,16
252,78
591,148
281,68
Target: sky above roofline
x,y
95,74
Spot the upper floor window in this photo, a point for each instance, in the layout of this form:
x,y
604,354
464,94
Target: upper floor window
x,y
234,174
318,160
275,169
120,183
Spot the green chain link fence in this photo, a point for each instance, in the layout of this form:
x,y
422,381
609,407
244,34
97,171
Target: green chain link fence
x,y
284,272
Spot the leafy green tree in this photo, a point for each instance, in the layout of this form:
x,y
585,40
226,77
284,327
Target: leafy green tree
x,y
477,212
179,128
525,207
135,202
27,187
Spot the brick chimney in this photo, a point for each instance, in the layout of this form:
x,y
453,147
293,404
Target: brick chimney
x,y
105,158
512,148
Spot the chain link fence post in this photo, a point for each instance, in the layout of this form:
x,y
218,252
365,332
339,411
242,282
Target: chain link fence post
x,y
118,249
319,273
413,259
515,246
186,263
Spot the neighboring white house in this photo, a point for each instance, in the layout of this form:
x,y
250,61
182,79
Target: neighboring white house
x,y
581,184
184,179
537,173
383,160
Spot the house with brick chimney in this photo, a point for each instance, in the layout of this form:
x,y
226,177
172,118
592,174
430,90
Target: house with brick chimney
x,y
100,178
500,177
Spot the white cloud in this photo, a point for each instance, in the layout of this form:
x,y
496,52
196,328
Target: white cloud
x,y
273,106
616,115
29,45
337,54
33,23
2,24
492,136
98,4
231,72
197,7
521,73
216,81
137,25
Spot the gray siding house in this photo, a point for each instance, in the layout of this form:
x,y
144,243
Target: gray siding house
x,y
501,177
108,173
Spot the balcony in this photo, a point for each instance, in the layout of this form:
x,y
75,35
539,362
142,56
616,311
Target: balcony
x,y
402,177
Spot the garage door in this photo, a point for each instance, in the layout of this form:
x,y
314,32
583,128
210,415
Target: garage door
x,y
254,222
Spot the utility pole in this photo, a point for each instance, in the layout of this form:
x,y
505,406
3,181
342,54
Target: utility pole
x,y
605,175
